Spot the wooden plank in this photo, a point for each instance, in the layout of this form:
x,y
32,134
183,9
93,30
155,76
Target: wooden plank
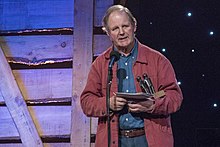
x,y
36,48
101,43
52,120
7,127
44,83
82,59
42,47
57,145
99,11
17,106
49,120
11,145
36,14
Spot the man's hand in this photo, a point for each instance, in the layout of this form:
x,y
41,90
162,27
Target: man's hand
x,y
143,106
117,103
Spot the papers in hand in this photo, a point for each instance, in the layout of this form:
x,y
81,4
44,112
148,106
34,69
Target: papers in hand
x,y
135,96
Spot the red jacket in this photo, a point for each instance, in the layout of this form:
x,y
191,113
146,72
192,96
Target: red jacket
x,y
157,124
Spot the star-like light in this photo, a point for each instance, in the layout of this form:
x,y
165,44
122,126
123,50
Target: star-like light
x,y
211,33
189,14
163,50
215,105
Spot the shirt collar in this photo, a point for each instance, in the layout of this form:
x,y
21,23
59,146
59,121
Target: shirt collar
x,y
134,50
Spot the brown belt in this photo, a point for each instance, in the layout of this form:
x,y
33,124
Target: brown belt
x,y
132,133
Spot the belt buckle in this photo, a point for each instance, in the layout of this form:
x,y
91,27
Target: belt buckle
x,y
127,133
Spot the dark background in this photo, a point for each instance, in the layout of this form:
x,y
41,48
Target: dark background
x,y
165,24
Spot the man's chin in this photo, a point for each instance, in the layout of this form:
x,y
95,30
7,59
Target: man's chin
x,y
123,44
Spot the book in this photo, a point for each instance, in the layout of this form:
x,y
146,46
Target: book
x,y
140,96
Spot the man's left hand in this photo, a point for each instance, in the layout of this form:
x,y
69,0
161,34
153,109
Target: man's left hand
x,y
143,106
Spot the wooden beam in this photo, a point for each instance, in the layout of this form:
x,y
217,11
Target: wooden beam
x,y
17,106
82,59
46,102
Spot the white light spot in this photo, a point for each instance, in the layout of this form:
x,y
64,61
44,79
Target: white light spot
x,y
215,105
189,14
126,63
179,83
163,50
193,50
127,90
211,33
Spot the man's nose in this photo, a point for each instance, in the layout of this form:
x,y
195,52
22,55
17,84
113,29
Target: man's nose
x,y
121,31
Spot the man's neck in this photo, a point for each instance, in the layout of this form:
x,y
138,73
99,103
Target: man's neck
x,y
126,51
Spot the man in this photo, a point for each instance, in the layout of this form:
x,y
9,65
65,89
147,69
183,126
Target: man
x,y
139,124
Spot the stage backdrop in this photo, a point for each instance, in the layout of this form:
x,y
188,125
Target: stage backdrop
x,y
46,49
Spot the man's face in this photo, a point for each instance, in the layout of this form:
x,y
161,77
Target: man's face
x,y
121,31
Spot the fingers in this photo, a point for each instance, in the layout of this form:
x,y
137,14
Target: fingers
x,y
117,103
136,108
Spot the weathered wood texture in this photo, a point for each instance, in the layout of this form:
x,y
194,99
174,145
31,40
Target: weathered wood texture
x,y
44,83
42,47
36,14
32,50
99,11
101,42
82,59
36,48
49,120
16,105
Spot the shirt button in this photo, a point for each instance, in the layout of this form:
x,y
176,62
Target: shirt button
x,y
126,63
126,119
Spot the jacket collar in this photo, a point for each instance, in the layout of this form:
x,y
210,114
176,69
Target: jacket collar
x,y
141,51
140,57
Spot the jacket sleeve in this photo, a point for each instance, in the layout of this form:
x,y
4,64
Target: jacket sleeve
x,y
167,82
92,100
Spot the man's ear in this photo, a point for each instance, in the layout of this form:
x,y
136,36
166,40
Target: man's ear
x,y
135,28
105,30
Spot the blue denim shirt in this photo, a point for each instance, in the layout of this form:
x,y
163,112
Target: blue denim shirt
x,y
126,84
